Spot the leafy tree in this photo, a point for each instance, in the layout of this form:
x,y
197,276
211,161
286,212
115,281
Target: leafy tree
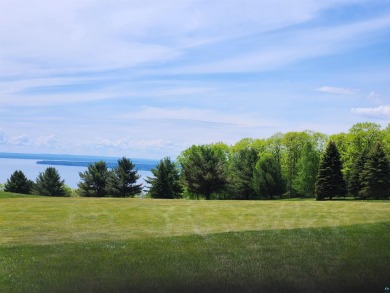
x,y
293,143
203,170
243,165
308,164
330,180
94,181
165,182
49,183
268,178
375,176
124,178
18,183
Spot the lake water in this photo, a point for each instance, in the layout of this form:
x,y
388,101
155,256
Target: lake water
x,y
31,169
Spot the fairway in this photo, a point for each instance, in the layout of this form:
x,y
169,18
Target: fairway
x,y
143,245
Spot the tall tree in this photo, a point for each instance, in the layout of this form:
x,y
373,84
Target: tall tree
x,y
49,183
375,177
18,183
354,181
308,164
124,178
94,181
165,182
203,170
293,143
243,165
268,178
330,181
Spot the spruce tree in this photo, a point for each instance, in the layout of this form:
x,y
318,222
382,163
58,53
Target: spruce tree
x,y
49,183
330,180
375,176
354,183
165,182
123,180
18,183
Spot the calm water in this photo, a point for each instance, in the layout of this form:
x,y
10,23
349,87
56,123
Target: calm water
x,y
29,167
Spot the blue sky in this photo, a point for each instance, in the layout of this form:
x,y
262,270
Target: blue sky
x,y
150,78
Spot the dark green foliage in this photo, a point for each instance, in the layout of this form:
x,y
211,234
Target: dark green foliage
x,y
330,182
243,165
165,182
354,182
18,183
124,178
203,170
375,176
49,183
94,181
268,177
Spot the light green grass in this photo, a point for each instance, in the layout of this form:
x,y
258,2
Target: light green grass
x,y
131,245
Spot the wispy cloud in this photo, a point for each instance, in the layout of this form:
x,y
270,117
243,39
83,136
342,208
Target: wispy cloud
x,y
381,112
336,90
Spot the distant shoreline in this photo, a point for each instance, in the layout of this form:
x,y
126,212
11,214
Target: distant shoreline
x,y
77,160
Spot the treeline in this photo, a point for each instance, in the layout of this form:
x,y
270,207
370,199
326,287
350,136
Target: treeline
x,y
294,164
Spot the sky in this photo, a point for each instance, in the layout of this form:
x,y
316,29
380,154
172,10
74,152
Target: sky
x,y
147,79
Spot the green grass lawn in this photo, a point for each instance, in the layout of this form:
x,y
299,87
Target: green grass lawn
x,y
143,245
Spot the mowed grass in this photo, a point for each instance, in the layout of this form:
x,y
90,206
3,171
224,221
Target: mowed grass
x,y
144,245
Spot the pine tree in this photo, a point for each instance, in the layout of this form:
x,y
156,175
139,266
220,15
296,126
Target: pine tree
x,y
165,182
18,183
94,181
49,183
330,180
375,176
203,171
124,178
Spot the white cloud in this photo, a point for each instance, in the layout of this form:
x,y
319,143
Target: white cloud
x,y
381,112
336,90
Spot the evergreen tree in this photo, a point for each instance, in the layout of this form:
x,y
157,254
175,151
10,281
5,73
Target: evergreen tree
x,y
375,176
354,182
268,178
243,165
165,182
203,170
330,180
18,183
94,181
49,183
124,178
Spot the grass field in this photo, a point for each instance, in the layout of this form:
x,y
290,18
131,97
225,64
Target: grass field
x,y
143,245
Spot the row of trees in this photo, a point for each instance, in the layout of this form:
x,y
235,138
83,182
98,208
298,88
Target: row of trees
x,y
97,181
294,164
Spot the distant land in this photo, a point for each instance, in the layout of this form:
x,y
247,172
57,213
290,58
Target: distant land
x,y
78,160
